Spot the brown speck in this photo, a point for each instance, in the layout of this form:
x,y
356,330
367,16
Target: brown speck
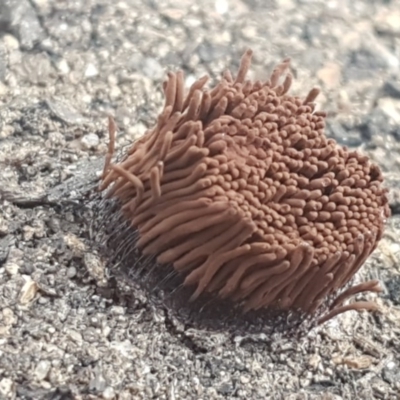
x,y
238,188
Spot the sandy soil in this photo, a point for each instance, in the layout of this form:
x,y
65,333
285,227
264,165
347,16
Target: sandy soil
x,y
64,65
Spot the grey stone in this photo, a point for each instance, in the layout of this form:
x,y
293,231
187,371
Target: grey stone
x,y
350,138
393,287
65,111
42,369
71,273
392,87
377,123
391,373
19,17
97,384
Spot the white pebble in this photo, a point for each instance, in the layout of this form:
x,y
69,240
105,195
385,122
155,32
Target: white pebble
x,y
90,141
63,67
221,6
91,71
108,393
11,42
42,370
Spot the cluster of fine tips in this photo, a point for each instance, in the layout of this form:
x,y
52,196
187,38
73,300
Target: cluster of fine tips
x,y
240,191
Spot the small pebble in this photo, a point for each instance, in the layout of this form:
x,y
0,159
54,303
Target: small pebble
x,y
391,372
97,383
71,272
7,131
12,268
109,393
65,111
391,108
11,42
7,388
91,71
42,369
63,67
221,6
90,141
75,336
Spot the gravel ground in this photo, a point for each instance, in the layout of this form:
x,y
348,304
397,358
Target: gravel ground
x,y
64,66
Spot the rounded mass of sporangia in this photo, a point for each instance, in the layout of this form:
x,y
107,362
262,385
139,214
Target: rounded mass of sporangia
x,y
238,188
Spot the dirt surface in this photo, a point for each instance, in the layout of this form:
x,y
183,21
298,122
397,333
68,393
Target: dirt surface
x,y
64,66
